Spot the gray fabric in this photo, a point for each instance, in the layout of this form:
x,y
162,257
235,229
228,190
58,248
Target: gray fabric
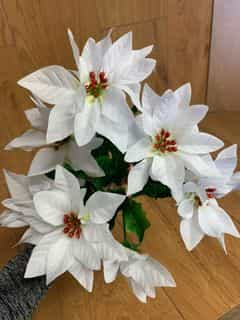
x,y
18,296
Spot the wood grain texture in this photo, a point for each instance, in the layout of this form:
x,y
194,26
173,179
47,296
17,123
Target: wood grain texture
x,y
224,73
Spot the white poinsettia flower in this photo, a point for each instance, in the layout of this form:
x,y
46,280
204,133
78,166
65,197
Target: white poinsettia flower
x,y
51,154
93,98
74,229
226,163
169,143
143,273
200,212
20,208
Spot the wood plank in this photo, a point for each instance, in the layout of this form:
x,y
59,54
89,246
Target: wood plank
x,y
224,73
188,44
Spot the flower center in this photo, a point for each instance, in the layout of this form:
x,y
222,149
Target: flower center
x,y
210,192
97,84
72,225
163,142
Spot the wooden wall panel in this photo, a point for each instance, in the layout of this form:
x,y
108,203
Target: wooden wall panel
x,y
224,74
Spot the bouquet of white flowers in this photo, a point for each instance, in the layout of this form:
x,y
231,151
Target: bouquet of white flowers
x,y
97,153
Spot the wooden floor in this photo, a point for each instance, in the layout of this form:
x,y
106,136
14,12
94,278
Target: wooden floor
x,y
208,282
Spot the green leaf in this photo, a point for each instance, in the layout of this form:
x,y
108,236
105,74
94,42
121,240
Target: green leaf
x,y
134,219
155,189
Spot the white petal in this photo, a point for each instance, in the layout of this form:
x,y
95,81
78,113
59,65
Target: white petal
x,y
115,107
214,221
186,208
191,232
59,258
75,48
138,291
31,236
110,249
18,185
199,143
83,275
85,123
27,141
61,121
183,95
12,219
150,100
199,165
86,254
69,184
45,160
52,205
81,159
139,150
52,84
110,269
90,55
96,232
37,264
103,205
169,170
116,133
138,176
133,90
226,160
117,53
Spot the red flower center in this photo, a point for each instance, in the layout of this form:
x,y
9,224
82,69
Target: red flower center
x,y
97,84
162,142
72,225
210,192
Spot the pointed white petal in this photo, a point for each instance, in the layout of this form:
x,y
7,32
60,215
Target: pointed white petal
x,y
199,165
226,160
69,184
191,232
83,275
37,264
28,140
139,150
138,291
75,48
103,205
96,232
52,84
45,160
138,176
59,258
31,236
214,221
169,170
116,133
183,95
18,185
85,123
110,269
81,159
199,143
12,219
86,254
115,107
52,205
61,121
133,90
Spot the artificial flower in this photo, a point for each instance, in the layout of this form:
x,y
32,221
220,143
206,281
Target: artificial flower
x,y
73,228
142,272
170,143
200,212
59,152
92,99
